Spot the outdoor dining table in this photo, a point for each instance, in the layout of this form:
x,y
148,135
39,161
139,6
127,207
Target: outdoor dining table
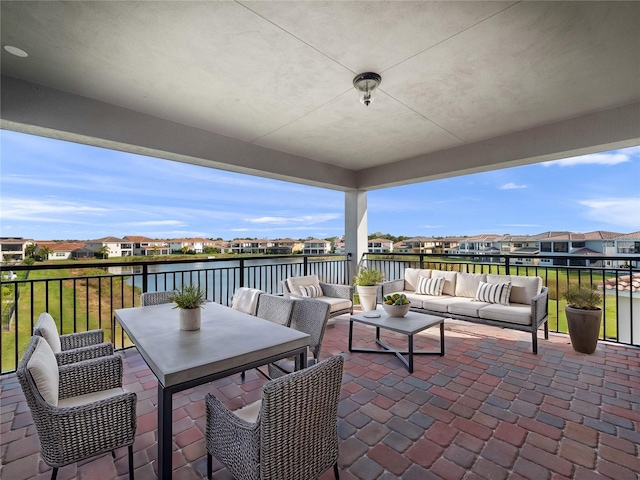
x,y
228,342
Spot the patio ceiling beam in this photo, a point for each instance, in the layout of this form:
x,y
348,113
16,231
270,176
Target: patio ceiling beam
x,y
597,132
39,110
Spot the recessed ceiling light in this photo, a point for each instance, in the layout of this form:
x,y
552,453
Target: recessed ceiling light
x,y
18,52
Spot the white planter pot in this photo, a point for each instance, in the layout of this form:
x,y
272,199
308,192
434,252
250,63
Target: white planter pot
x,y
368,297
190,319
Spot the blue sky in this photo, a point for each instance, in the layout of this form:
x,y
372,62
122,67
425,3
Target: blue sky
x,y
50,189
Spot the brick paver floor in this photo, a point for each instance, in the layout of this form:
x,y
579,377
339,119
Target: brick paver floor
x,y
488,409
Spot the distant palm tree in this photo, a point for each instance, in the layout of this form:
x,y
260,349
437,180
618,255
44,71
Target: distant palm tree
x,y
44,252
30,250
103,251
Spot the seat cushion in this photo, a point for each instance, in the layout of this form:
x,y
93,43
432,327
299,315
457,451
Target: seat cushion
x,y
89,397
47,326
249,413
467,283
466,306
512,313
336,303
439,304
43,367
294,283
449,281
411,277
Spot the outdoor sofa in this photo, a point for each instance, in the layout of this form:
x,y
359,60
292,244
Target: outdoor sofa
x,y
508,301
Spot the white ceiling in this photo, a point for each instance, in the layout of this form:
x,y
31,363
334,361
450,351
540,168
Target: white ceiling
x,y
277,76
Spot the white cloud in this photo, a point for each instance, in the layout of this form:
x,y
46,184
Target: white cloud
x,y
49,211
624,212
307,219
154,223
511,186
432,226
607,158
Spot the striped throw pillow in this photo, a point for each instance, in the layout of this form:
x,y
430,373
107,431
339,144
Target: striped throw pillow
x,y
430,286
313,291
493,293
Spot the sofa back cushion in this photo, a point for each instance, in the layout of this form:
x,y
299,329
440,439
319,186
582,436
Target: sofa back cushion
x,y
523,289
294,283
411,277
43,368
449,281
47,327
467,283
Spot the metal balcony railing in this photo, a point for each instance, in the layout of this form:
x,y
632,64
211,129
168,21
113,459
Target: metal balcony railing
x,y
83,295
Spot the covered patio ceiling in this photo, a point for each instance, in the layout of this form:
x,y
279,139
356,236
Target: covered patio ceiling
x,y
265,87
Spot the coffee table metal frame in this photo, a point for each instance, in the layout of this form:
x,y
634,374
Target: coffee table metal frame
x,y
408,325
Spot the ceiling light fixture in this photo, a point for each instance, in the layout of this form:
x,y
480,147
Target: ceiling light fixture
x,y
18,52
366,83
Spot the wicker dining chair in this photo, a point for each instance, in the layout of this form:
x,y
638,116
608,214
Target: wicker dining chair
x,y
275,308
156,298
72,347
291,433
79,410
309,316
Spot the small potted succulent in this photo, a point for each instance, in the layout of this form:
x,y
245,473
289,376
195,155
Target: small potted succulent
x,y
366,282
189,299
584,316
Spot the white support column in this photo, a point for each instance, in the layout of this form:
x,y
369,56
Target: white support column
x,y
355,227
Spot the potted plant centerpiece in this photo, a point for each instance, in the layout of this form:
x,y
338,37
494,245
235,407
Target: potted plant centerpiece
x,y
584,316
366,282
189,300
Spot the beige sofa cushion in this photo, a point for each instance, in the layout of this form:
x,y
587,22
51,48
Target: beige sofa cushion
x,y
294,283
249,413
449,281
411,276
466,306
467,283
523,289
47,326
43,367
513,313
335,303
439,304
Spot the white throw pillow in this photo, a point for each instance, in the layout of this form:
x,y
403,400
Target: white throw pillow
x,y
43,367
313,291
430,286
47,326
493,293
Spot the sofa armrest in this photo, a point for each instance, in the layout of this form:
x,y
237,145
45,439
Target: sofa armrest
x,y
390,287
337,291
540,306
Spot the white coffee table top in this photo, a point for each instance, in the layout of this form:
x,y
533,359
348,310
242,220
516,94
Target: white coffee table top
x,y
410,324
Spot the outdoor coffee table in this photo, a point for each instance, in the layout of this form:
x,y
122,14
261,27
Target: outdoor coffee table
x,y
408,325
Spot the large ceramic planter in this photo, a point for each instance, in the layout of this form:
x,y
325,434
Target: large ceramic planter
x,y
190,319
584,328
368,297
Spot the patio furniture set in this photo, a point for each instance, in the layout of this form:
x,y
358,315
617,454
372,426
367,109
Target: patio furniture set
x,y
73,383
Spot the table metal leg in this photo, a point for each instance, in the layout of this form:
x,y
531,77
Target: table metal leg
x,y
165,433
410,352
442,339
350,334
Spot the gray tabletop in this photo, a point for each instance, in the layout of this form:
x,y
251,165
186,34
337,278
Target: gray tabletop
x,y
410,324
227,338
